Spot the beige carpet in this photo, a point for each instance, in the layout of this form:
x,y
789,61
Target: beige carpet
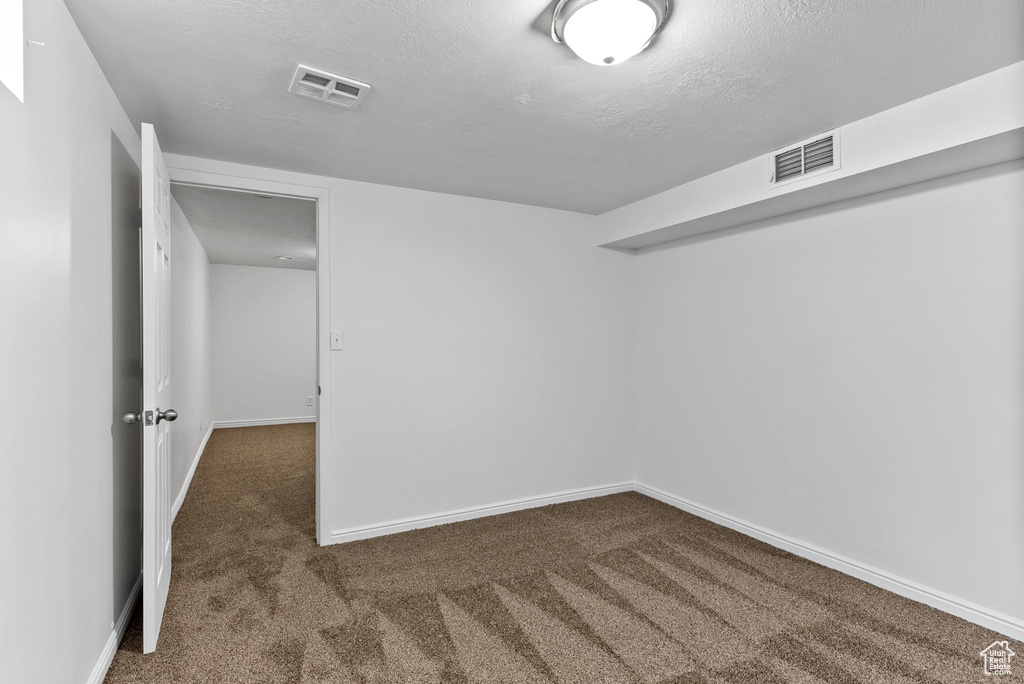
x,y
617,589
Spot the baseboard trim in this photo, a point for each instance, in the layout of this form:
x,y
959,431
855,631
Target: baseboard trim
x,y
356,533
972,612
262,421
99,672
180,499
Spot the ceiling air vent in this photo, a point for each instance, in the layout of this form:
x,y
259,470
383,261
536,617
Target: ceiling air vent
x,y
327,87
817,155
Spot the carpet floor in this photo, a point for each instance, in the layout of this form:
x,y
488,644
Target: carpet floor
x,y
618,589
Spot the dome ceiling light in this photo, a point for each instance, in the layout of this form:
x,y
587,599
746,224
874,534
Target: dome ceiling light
x,y
606,32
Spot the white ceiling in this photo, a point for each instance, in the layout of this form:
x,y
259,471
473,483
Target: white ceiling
x,y
250,230
474,98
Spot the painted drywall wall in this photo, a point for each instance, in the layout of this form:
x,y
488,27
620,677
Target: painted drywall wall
x,y
263,342
851,377
191,377
57,497
487,351
487,354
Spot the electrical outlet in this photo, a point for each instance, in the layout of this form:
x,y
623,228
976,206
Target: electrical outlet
x,y
309,400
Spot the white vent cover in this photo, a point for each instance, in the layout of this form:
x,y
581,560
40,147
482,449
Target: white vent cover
x,y
813,156
327,87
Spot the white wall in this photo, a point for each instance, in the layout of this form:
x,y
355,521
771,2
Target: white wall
x,y
56,415
191,378
487,354
487,351
852,377
263,342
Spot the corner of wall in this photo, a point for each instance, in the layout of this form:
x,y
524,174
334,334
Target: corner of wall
x,y
634,457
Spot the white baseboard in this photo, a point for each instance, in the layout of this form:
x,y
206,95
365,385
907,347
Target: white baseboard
x,y
99,672
972,612
262,421
180,499
404,525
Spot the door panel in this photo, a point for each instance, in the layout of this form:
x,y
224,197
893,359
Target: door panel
x,y
156,386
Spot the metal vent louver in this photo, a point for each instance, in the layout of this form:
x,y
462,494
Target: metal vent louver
x,y
789,164
818,155
327,87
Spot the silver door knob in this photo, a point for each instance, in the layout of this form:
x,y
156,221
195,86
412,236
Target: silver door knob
x,y
131,418
170,415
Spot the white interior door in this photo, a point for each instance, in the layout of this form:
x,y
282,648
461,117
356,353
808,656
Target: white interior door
x,y
156,381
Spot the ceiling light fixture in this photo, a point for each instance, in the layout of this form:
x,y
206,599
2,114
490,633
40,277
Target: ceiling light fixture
x,y
606,32
284,258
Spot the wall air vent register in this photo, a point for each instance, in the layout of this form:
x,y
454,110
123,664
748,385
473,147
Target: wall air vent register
x,y
814,156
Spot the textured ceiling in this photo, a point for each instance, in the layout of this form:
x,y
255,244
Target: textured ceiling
x,y
474,98
250,230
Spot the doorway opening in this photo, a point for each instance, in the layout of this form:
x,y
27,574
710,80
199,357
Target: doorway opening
x,y
265,243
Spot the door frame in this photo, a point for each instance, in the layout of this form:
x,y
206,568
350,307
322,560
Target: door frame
x,y
181,175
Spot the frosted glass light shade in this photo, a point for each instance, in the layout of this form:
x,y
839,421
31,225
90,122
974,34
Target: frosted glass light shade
x,y
606,32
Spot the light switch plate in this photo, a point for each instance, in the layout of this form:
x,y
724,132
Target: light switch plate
x,y
337,340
